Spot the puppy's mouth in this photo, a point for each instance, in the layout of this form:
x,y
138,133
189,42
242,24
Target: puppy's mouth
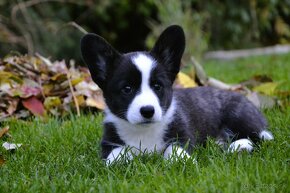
x,y
146,122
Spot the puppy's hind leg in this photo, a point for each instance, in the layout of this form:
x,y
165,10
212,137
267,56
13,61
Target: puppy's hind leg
x,y
246,144
266,135
247,124
226,136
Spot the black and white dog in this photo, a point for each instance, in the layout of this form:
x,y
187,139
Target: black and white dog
x,y
145,114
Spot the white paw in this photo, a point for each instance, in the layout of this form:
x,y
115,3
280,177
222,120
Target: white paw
x,y
240,145
118,154
174,153
266,135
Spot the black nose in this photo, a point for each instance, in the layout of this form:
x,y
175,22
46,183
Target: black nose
x,y
147,111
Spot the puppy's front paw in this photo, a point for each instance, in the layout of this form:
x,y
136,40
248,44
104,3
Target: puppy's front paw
x,y
118,154
175,153
240,145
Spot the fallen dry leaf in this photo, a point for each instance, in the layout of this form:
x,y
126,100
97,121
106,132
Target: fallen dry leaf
x,y
11,146
267,88
12,106
52,102
2,160
185,81
257,80
34,105
96,102
4,130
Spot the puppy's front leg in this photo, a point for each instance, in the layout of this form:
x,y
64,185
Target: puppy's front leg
x,y
118,154
175,152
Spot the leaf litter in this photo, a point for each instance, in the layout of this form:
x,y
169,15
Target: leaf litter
x,y
34,85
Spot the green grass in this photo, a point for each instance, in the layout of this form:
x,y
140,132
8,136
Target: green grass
x,y
235,71
62,155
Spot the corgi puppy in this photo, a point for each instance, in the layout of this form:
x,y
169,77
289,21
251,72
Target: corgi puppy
x,y
145,114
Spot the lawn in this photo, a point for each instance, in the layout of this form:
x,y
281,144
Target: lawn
x,y
62,155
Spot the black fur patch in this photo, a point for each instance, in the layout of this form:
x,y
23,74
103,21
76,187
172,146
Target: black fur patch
x,y
110,140
124,74
158,76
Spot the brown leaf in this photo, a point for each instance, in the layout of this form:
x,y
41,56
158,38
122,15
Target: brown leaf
x,y
80,99
47,89
2,160
59,77
257,80
4,130
97,101
12,106
34,105
24,91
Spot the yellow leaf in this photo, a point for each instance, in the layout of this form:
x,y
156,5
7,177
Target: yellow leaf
x,y
76,81
47,88
185,81
5,77
80,99
59,77
266,88
96,102
51,102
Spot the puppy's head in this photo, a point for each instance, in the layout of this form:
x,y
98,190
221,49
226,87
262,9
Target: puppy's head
x,y
137,86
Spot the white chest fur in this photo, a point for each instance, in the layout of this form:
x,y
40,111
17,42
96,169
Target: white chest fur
x,y
142,137
146,138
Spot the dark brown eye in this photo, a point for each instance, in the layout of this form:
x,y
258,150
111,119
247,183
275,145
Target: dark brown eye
x,y
127,90
157,87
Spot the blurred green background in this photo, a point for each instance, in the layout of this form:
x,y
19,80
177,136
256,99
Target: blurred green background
x,y
52,28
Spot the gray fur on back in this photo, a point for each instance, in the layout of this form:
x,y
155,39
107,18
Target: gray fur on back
x,y
204,111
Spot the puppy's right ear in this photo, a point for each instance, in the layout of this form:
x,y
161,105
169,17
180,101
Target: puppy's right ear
x,y
99,55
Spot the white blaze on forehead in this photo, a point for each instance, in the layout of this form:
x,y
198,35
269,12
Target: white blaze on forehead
x,y
146,96
145,64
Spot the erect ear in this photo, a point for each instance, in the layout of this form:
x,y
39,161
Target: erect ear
x,y
99,55
169,49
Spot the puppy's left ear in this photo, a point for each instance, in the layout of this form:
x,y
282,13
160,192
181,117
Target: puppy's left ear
x,y
169,48
100,56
